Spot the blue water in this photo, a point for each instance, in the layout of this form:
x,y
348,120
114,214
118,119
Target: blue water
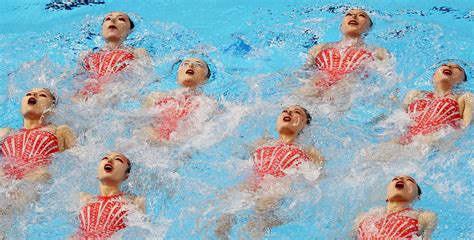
x,y
254,49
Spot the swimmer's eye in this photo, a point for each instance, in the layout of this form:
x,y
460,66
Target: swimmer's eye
x,y
348,14
298,112
29,94
185,64
104,158
107,19
119,159
285,111
395,179
411,180
43,95
200,65
362,15
122,19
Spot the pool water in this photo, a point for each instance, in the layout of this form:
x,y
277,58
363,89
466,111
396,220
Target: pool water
x,y
255,50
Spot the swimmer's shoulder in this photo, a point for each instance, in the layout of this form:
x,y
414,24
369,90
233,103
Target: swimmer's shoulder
x,y
428,220
140,52
381,54
465,97
314,154
4,132
66,137
414,95
318,48
86,197
137,201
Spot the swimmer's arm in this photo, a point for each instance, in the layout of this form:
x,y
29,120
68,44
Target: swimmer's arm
x,y
66,137
465,107
315,156
411,95
312,53
4,133
428,222
150,99
382,54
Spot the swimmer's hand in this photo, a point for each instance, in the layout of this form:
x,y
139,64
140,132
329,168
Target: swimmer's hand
x,y
39,175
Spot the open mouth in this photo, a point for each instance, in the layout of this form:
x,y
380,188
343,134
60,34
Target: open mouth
x,y
112,27
399,185
353,22
108,167
447,72
190,72
287,119
32,101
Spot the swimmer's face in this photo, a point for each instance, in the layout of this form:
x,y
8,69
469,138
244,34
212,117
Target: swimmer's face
x,y
292,120
448,75
192,72
116,26
402,189
36,102
355,23
113,168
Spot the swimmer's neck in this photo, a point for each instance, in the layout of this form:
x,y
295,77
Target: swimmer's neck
x,y
396,206
287,137
111,45
29,123
443,91
352,40
195,90
107,190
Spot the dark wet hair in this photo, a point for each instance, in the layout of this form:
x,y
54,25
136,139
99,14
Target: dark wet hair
x,y
132,25
465,74
419,190
53,96
129,168
308,116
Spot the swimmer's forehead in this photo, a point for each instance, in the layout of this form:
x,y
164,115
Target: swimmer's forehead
x,y
195,60
117,14
356,11
296,107
40,90
452,64
405,176
117,154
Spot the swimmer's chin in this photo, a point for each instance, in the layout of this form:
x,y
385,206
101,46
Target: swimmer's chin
x,y
189,84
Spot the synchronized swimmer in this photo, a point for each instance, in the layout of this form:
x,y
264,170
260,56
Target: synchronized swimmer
x,y
101,66
334,61
28,152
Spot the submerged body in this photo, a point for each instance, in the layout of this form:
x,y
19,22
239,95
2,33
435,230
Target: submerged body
x,y
103,217
441,109
28,150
